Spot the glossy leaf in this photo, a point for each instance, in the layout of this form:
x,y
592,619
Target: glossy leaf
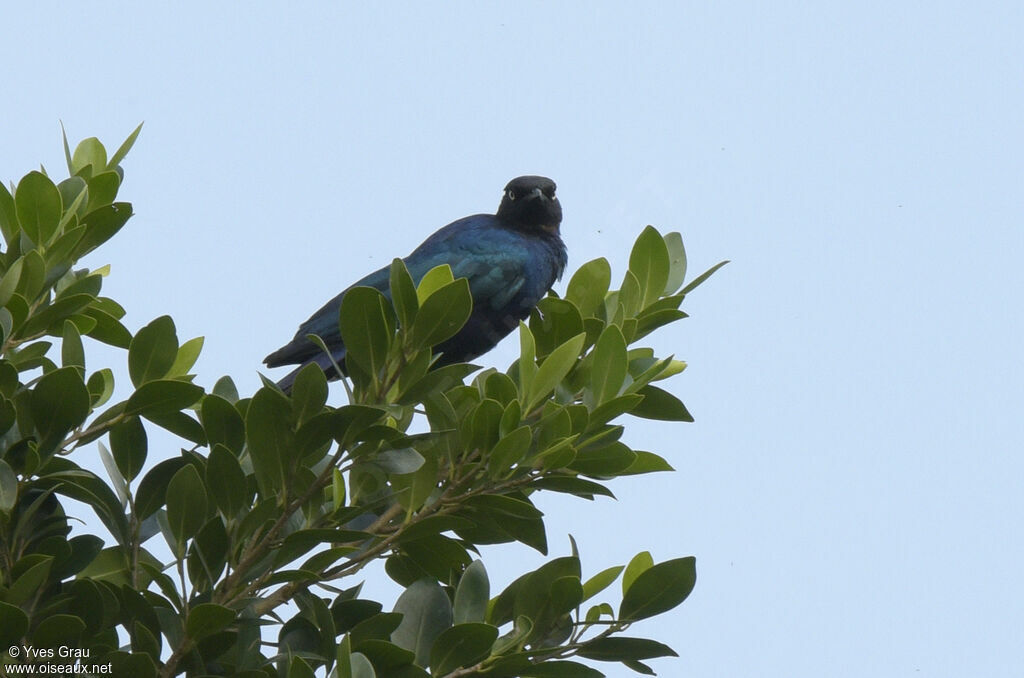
x,y
658,589
226,480
128,445
619,648
554,369
693,284
560,669
8,488
588,286
510,450
364,328
403,293
649,262
271,439
639,563
152,351
461,645
472,594
123,149
608,368
600,581
442,314
59,403
39,207
186,358
186,503
433,280
207,618
163,396
661,405
89,153
9,226
426,613
676,260
222,423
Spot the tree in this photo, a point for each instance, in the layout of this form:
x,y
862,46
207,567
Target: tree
x,y
280,498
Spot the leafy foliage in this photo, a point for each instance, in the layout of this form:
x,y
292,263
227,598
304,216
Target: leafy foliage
x,y
278,498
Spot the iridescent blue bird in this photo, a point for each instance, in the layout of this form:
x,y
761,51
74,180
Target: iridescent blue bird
x,y
510,258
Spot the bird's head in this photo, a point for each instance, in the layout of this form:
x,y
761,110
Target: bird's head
x,y
530,203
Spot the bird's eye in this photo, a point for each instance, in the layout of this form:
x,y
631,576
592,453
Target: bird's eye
x,y
511,194
550,192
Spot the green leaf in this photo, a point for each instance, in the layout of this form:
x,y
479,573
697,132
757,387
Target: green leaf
x,y
309,393
693,284
39,207
13,624
399,461
58,630
186,503
560,669
403,294
608,368
676,260
226,480
207,618
553,322
361,666
102,224
509,451
103,189
426,613
59,403
152,491
527,364
163,396
8,215
89,152
364,328
152,351
187,355
270,436
660,405
461,645
649,262
588,286
108,329
442,314
9,282
128,445
600,581
71,352
413,489
123,149
222,423
472,594
579,487
658,589
29,583
435,279
619,648
554,369
8,488
640,563
646,462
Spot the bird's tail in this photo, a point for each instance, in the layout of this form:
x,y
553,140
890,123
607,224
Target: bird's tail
x,y
322,360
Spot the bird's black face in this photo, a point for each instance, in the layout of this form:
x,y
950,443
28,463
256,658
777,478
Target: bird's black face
x,y
530,202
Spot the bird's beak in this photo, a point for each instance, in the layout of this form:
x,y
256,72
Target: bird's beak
x,y
535,193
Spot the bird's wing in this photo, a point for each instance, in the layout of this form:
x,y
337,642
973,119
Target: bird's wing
x,y
324,324
488,256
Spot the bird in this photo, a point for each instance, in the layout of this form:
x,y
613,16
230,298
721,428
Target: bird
x,y
510,258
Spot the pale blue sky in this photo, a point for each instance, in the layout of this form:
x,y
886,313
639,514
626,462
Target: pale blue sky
x,y
852,487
